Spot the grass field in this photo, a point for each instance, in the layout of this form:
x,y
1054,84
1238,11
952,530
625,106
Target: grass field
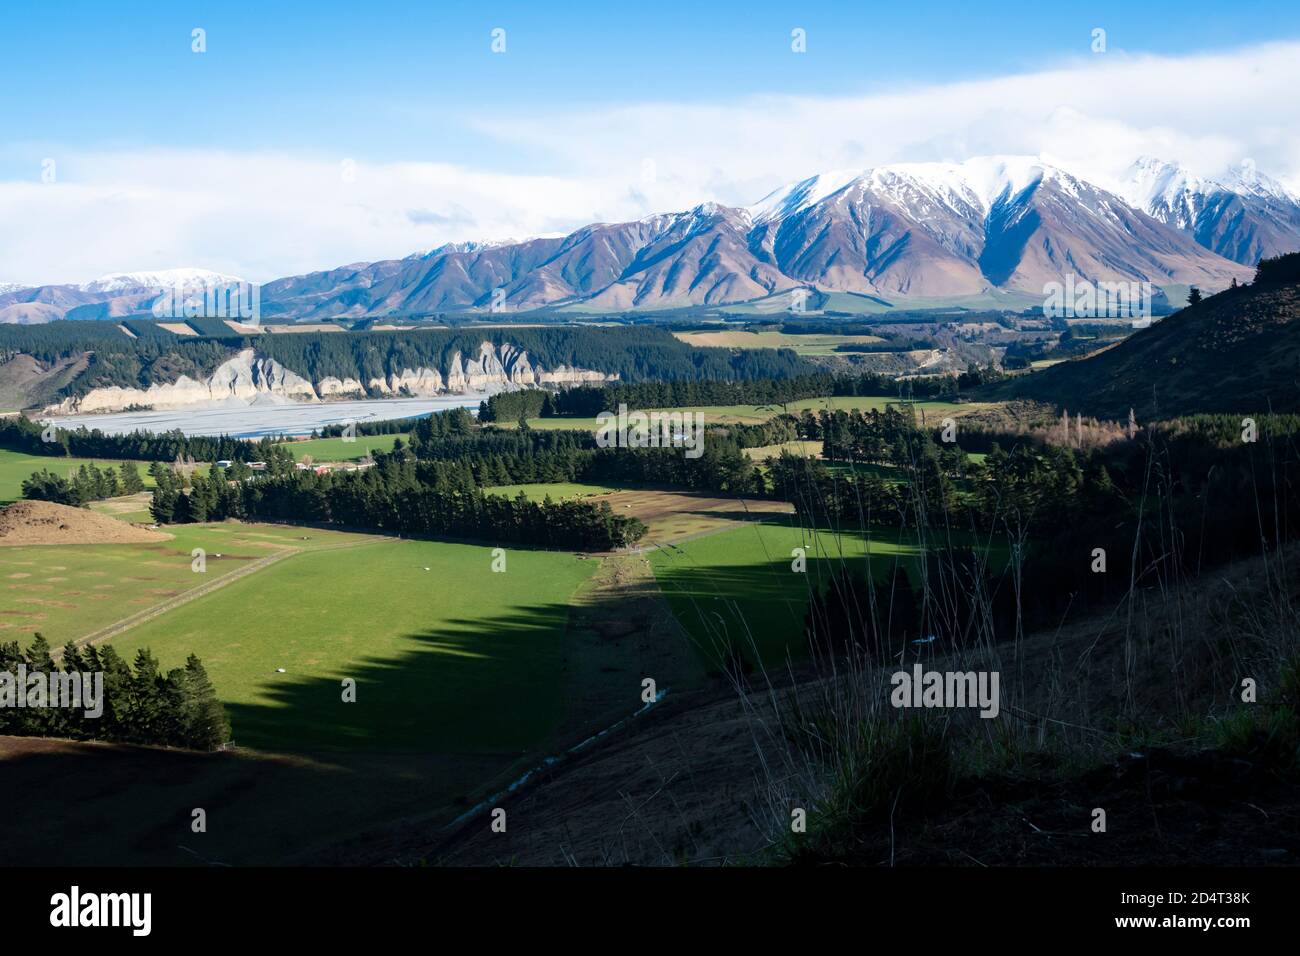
x,y
755,414
739,587
464,678
669,514
129,508
865,403
448,656
557,490
336,449
71,590
802,344
16,466
805,449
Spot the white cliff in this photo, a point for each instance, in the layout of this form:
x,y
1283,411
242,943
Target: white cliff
x,y
249,377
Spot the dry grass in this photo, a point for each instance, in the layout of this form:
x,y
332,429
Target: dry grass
x,y
674,516
43,522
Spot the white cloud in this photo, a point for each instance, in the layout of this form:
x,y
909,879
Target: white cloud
x,y
1096,114
262,215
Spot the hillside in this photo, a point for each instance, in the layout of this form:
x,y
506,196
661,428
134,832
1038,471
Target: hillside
x,y
707,778
1237,351
83,367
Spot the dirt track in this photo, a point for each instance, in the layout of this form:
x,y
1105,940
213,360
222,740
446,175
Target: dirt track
x,y
149,613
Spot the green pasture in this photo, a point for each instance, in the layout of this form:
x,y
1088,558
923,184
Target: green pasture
x,y
448,656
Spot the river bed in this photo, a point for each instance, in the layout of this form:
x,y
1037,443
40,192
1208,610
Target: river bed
x,y
259,420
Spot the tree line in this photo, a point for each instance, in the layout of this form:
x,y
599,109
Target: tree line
x,y
587,401
1078,527
141,703
18,433
630,352
88,483
408,495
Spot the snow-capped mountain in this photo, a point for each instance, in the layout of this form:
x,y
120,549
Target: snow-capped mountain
x,y
991,229
159,279
108,297
923,188
1241,214
938,230
11,287
914,231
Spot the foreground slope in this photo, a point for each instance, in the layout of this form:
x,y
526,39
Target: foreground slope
x,y
1237,351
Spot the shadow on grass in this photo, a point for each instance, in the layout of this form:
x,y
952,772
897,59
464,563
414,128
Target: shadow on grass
x,y
758,605
490,685
433,728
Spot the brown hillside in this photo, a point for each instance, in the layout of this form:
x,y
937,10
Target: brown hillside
x,y
1237,351
43,522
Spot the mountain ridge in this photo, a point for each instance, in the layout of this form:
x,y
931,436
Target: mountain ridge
x,y
992,226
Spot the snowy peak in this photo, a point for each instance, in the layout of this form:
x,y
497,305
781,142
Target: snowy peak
x,y
983,181
1151,181
976,184
469,246
987,228
1239,213
788,200
159,279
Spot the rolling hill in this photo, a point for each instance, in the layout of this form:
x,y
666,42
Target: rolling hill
x,y
1237,351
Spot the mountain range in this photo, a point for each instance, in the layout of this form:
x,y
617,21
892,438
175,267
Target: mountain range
x,y
985,231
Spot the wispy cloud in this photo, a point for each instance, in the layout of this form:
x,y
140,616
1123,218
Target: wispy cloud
x,y
261,215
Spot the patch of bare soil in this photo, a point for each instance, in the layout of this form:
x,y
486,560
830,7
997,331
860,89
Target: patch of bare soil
x,y
43,522
124,504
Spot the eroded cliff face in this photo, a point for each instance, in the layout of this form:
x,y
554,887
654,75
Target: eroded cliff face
x,y
248,376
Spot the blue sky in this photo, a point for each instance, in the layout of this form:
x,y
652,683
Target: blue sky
x,y
390,80
309,135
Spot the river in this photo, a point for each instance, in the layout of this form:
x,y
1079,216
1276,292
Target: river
x,y
258,420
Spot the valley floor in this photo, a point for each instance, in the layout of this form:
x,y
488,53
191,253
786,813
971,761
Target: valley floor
x,y
469,678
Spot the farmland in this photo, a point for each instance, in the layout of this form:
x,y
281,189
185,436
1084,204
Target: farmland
x,y
801,344
447,655
341,449
16,466
464,677
739,587
69,591
671,515
755,414
555,490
